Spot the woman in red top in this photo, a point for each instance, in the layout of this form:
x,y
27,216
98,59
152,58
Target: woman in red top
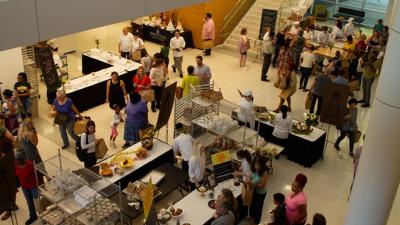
x,y
361,45
141,81
25,172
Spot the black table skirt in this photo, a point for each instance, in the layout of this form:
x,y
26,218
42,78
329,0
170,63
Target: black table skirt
x,y
90,65
174,177
95,95
299,150
158,35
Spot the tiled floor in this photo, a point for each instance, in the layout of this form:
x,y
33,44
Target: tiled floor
x,y
329,179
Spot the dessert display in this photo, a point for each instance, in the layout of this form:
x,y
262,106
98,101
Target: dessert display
x,y
146,20
104,209
119,171
138,190
164,216
202,190
53,216
176,212
153,21
141,153
265,116
170,26
105,170
224,143
179,27
126,163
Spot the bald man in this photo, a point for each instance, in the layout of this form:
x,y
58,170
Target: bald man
x,y
125,43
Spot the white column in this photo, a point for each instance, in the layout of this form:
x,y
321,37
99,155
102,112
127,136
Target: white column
x,y
378,174
390,12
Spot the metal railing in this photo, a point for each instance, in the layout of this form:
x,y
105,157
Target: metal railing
x,y
234,16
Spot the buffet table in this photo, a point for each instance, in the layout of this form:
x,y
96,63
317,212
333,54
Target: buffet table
x,y
195,207
89,91
173,178
158,35
159,154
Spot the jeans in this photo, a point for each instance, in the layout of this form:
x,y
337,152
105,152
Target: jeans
x,y
26,107
31,194
305,74
366,85
157,97
343,134
314,99
178,64
69,126
126,55
265,66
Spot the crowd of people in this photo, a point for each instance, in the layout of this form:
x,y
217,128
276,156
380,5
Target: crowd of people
x,y
290,50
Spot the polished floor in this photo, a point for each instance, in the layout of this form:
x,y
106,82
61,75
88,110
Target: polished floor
x,y
329,179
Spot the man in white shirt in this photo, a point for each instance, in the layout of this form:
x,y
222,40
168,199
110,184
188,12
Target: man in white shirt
x,y
125,43
197,167
177,44
246,111
268,50
183,145
137,45
295,28
57,61
323,37
307,61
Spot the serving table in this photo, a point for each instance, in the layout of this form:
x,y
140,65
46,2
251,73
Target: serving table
x,y
90,90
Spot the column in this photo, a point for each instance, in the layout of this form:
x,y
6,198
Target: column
x,y
390,11
378,174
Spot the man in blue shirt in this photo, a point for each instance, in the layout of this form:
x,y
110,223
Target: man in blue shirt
x,y
340,79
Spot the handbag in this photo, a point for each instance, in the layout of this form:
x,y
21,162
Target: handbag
x,y
80,152
101,149
80,125
207,44
61,119
147,95
247,194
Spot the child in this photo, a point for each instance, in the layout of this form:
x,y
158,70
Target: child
x,y
278,214
114,124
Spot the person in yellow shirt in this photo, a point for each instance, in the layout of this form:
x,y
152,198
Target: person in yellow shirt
x,y
190,79
349,47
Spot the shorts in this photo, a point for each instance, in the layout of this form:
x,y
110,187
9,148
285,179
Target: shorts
x,y
244,53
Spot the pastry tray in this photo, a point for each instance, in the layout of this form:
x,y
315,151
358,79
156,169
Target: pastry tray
x,y
136,195
156,177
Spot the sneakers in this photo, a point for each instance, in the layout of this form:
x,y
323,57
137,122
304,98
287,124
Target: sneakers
x,y
31,220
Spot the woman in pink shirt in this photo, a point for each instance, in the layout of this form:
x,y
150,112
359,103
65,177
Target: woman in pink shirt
x,y
296,203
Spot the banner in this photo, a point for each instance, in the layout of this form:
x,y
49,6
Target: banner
x,y
49,71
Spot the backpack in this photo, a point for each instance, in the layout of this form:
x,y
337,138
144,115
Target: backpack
x,y
80,152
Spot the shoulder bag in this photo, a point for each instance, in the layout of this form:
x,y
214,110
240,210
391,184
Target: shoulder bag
x,y
61,119
80,152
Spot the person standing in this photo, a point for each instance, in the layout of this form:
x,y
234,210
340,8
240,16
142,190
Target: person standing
x,y
340,78
279,42
137,43
189,80
337,31
370,73
259,178
378,27
197,167
157,77
268,50
164,52
297,48
323,37
116,120
125,43
282,126
23,91
10,109
57,60
349,28
89,143
177,44
308,34
296,203
307,61
317,91
145,61
116,92
245,166
136,118
246,109
349,126
208,31
202,71
64,106
318,219
141,81
294,30
279,213
25,172
183,145
243,46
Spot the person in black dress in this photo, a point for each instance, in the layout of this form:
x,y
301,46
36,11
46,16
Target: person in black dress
x,y
116,92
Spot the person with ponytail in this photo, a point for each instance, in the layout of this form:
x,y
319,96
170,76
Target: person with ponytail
x,y
282,126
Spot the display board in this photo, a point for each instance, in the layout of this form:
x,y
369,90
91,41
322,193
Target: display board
x,y
334,104
49,71
268,19
167,102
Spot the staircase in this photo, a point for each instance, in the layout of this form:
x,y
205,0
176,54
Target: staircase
x,y
252,21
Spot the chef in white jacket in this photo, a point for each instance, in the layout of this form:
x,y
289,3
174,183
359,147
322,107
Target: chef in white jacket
x,y
349,27
246,109
197,166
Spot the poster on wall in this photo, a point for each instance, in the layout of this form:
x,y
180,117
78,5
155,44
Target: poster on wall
x,y
334,104
49,71
268,19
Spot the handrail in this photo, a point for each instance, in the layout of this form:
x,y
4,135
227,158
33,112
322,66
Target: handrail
x,y
233,13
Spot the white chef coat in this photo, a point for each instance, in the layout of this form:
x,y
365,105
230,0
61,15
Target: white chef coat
x,y
282,127
197,167
336,33
184,144
308,35
246,112
177,43
57,62
125,42
323,39
136,44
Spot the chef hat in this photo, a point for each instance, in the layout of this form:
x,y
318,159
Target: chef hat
x,y
247,93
